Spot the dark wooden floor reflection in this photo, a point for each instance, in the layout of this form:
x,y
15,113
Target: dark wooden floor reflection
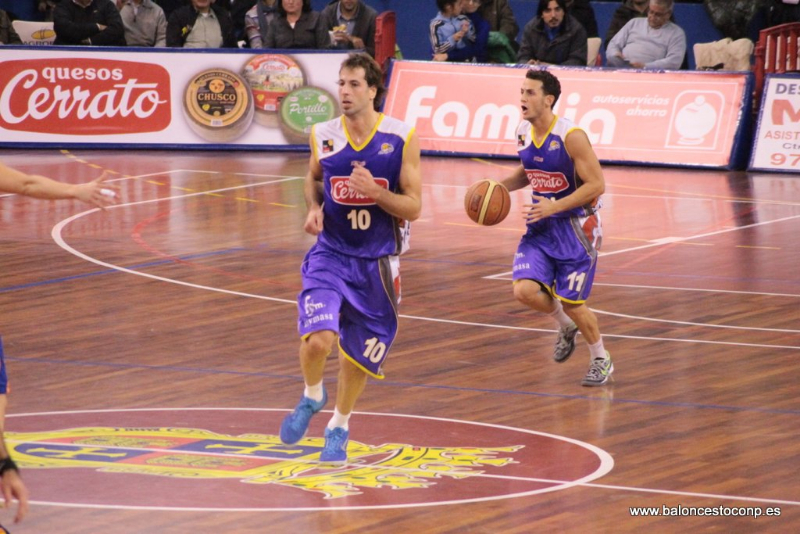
x,y
183,298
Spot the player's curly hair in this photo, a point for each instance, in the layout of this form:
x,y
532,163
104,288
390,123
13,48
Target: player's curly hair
x,y
550,84
372,74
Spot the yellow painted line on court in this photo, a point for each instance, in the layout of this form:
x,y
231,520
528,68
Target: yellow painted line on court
x,y
94,165
278,204
493,164
246,199
764,248
154,182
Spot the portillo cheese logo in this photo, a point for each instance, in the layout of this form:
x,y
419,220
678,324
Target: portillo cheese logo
x,y
84,96
343,194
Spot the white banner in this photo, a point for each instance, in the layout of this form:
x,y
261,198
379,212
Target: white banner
x,y
166,98
777,142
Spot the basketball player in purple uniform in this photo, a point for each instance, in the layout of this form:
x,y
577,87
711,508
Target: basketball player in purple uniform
x,y
556,259
13,181
362,188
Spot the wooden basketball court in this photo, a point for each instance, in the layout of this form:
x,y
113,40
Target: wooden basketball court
x,y
176,310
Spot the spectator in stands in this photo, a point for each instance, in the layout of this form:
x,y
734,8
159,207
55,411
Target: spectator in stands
x,y
553,37
583,12
296,26
237,9
257,20
7,33
651,43
482,30
145,23
46,7
170,5
501,19
452,34
200,25
628,10
88,22
352,23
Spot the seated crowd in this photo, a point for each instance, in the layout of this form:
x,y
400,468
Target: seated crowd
x,y
641,34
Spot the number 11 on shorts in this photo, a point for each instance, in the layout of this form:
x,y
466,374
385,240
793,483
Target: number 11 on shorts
x,y
576,281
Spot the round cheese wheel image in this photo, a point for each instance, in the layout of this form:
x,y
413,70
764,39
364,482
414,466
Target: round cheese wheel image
x,y
271,77
303,108
218,105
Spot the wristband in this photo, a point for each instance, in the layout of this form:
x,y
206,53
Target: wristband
x,y
7,464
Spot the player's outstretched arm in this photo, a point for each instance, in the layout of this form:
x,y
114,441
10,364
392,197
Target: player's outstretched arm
x,y
96,192
407,202
10,482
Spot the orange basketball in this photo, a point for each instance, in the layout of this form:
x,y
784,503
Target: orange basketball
x,y
487,202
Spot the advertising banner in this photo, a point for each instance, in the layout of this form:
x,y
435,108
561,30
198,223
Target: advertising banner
x,y
679,118
164,98
777,142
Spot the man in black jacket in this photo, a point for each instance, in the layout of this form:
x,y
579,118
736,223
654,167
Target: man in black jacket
x,y
88,22
200,25
352,23
553,37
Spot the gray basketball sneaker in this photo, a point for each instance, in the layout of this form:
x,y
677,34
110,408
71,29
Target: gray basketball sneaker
x,y
565,343
599,372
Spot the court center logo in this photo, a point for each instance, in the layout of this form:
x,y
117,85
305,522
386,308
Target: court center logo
x,y
250,458
227,459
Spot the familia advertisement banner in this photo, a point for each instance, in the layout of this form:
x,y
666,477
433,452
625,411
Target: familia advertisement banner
x,y
164,98
777,141
672,118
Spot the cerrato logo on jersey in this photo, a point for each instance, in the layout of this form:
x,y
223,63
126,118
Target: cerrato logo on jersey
x,y
386,148
343,194
252,458
327,146
546,182
520,140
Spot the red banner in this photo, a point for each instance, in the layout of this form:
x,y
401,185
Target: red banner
x,y
680,118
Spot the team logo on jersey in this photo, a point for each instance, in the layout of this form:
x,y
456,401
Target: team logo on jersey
x,y
520,140
327,146
386,148
342,193
554,145
546,182
310,306
194,454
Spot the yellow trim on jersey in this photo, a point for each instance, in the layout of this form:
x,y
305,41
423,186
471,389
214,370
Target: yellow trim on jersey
x,y
354,362
550,129
405,144
369,137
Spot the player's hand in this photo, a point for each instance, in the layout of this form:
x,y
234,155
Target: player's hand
x,y
362,181
637,65
544,207
14,488
313,224
98,192
440,57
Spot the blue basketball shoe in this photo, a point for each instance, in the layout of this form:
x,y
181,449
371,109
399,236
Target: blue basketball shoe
x,y
335,449
295,425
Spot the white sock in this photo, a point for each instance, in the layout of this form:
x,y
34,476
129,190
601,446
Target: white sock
x,y
338,420
314,392
597,351
559,315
